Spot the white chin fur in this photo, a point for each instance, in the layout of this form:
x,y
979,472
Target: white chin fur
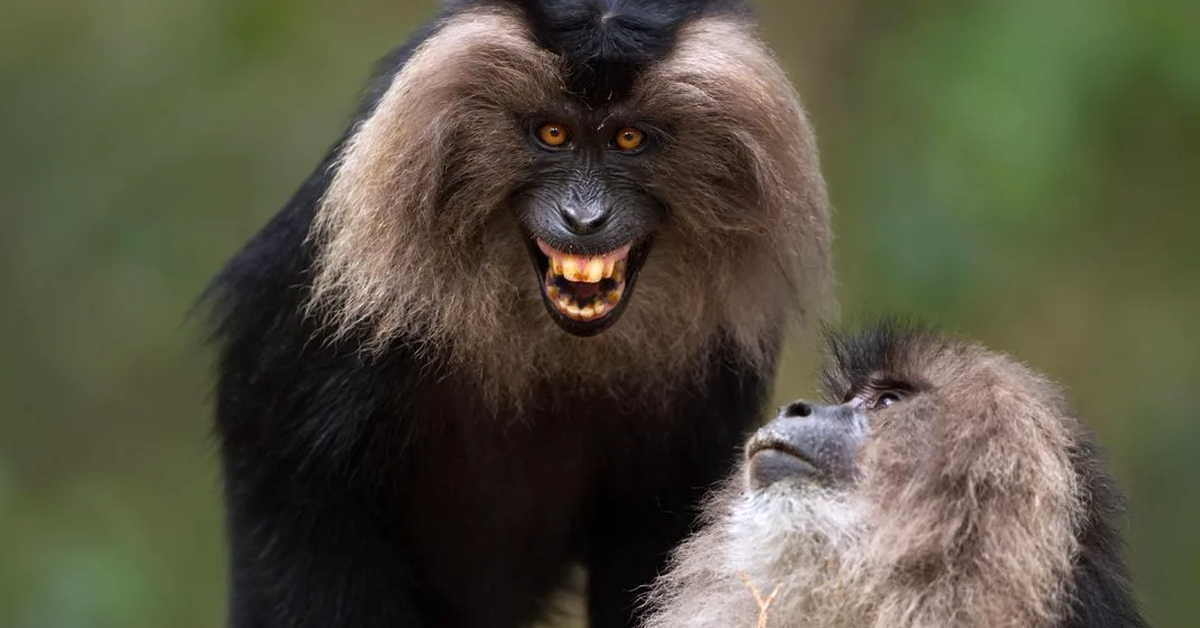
x,y
803,542
784,525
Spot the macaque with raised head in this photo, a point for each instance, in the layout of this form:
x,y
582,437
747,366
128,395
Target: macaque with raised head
x,y
943,485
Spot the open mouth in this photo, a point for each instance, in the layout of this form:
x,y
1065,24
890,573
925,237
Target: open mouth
x,y
586,293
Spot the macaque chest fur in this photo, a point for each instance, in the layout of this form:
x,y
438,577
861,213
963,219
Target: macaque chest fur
x,y
520,317
507,505
975,499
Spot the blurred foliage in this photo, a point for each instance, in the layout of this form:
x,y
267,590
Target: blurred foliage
x,y
1024,171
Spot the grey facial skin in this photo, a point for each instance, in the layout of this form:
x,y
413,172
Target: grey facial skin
x,y
432,318
944,485
808,442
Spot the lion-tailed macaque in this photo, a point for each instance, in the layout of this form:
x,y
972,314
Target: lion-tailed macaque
x,y
519,318
941,485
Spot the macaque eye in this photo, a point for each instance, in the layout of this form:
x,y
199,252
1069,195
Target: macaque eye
x,y
553,134
629,138
885,400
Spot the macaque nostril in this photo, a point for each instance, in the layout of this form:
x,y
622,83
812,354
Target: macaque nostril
x,y
583,220
797,409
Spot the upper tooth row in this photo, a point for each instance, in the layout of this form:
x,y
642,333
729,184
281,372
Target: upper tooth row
x,y
584,269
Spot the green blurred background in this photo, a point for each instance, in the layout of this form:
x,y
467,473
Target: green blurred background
x,y
1024,171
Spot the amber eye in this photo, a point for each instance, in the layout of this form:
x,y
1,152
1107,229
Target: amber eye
x,y
629,138
553,134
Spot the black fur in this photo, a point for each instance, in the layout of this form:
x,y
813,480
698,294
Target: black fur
x,y
1103,598
387,493
853,360
607,42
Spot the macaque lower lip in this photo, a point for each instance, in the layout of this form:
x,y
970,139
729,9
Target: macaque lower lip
x,y
766,445
767,448
585,294
769,465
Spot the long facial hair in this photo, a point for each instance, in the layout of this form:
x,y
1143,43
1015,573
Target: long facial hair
x,y
975,495
966,513
416,243
801,547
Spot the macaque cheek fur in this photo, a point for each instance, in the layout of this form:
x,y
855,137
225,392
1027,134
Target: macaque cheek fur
x,y
519,317
417,238
979,501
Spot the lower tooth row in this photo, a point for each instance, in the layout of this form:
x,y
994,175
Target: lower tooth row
x,y
595,309
587,312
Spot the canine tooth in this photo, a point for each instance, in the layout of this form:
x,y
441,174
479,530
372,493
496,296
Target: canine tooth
x,y
619,271
613,296
570,268
595,270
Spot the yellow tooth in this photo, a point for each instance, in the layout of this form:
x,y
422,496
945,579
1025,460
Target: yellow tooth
x,y
557,265
573,311
614,296
599,308
564,302
570,268
552,292
595,270
608,268
588,312
619,272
